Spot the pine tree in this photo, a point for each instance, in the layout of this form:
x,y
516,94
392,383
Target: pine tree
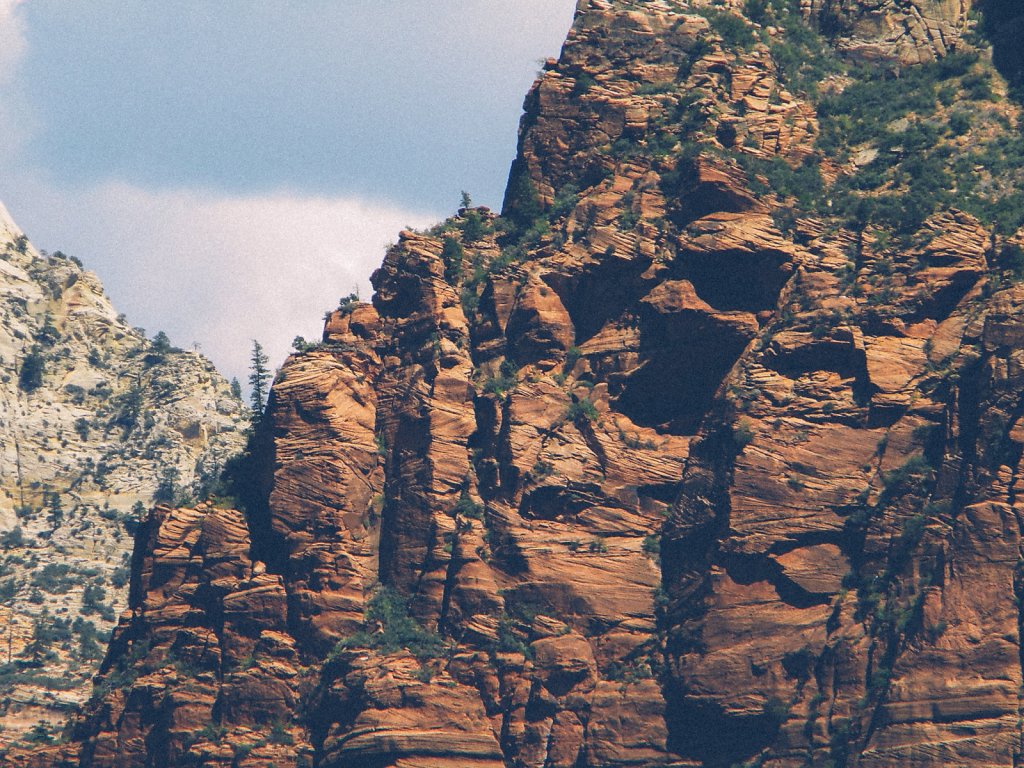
x,y
259,376
236,389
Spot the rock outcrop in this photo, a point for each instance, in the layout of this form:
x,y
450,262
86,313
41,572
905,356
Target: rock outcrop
x,y
704,453
95,419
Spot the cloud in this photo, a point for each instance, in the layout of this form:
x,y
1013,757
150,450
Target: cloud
x,y
226,173
12,38
215,269
17,119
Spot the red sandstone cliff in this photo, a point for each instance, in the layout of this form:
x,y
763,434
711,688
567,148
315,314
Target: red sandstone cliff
x,y
705,453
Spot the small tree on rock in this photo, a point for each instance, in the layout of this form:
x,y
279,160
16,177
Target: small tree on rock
x,y
259,378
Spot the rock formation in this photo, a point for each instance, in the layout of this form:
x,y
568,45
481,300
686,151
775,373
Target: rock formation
x,y
94,420
704,453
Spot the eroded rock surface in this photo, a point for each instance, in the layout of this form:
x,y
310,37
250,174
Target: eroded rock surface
x,y
704,453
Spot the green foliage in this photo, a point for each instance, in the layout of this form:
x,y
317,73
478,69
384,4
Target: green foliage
x,y
347,304
279,735
776,711
30,378
259,378
55,578
803,182
472,226
581,411
648,89
93,598
128,407
39,734
88,639
522,204
572,356
13,538
388,610
48,335
466,507
542,469
743,433
804,58
452,254
582,84
300,345
910,477
512,638
917,171
213,733
756,11
161,344
565,202
734,30
168,489
505,380
652,544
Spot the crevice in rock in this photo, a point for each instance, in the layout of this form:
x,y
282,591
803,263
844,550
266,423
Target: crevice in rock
x,y
604,291
750,569
805,539
736,280
837,354
940,303
686,357
558,502
701,730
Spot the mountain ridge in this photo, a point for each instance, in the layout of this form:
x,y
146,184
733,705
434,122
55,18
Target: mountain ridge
x,y
97,421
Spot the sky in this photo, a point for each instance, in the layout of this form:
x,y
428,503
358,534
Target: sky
x,y
231,169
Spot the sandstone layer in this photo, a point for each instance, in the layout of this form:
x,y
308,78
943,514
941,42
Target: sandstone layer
x,y
704,453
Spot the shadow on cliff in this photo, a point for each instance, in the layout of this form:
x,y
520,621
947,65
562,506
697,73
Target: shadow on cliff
x,y
1003,25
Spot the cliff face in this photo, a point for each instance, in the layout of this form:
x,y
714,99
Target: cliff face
x,y
704,453
94,420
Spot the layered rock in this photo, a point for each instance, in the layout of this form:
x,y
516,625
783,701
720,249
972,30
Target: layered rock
x,y
705,452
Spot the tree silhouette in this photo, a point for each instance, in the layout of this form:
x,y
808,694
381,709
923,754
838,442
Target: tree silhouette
x,y
259,377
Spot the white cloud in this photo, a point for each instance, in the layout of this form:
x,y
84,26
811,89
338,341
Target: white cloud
x,y
12,38
17,120
215,269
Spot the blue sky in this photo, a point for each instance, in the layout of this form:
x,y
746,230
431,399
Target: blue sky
x,y
231,168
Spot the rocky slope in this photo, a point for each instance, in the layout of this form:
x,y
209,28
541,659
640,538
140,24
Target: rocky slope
x,y
95,419
704,453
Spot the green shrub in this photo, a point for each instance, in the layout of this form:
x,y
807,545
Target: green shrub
x,y
743,433
582,84
389,609
466,507
910,477
55,578
580,411
472,226
279,735
734,30
452,255
652,544
348,304
30,378
505,380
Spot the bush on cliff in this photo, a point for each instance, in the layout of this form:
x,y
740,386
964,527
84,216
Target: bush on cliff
x,y
391,628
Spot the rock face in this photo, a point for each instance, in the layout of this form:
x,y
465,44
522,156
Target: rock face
x,y
94,420
705,453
